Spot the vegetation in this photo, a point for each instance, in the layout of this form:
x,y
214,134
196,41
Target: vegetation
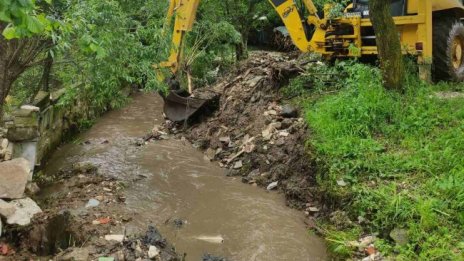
x,y
391,161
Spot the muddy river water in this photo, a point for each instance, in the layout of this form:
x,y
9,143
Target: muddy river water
x,y
169,180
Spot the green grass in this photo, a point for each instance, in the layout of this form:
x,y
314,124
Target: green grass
x,y
402,157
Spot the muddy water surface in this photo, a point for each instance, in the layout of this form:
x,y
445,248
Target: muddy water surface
x,y
170,180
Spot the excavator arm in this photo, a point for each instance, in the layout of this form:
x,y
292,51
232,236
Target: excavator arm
x,y
180,105
185,13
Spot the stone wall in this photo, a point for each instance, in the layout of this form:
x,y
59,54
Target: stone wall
x,y
33,131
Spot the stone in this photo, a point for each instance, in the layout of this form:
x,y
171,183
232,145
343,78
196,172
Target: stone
x,y
366,241
76,254
210,153
32,188
118,238
289,111
286,123
400,236
4,143
30,108
153,252
238,164
273,185
225,140
26,208
17,134
341,183
8,155
14,175
6,209
267,134
92,203
313,209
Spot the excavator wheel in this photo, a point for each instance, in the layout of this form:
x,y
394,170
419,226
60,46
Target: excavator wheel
x,y
448,49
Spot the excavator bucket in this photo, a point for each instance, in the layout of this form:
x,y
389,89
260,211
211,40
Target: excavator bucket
x,y
179,106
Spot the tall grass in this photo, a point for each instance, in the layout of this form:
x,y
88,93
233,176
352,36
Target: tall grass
x,y
402,158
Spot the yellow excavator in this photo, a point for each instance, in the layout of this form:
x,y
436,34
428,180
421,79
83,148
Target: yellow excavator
x,y
431,30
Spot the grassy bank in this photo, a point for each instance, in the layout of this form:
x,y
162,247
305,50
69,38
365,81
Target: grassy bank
x,y
392,162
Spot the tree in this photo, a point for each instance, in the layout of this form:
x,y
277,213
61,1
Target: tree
x,y
388,44
21,41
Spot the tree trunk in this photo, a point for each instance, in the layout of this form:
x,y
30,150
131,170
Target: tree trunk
x,y
241,50
388,44
44,83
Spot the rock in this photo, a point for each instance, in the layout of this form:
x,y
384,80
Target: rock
x,y
341,183
366,241
4,144
13,178
18,133
118,238
8,155
210,153
400,236
153,252
225,140
211,239
289,111
238,164
286,123
26,208
92,203
76,254
284,134
273,185
313,209
30,108
153,237
267,134
6,209
32,188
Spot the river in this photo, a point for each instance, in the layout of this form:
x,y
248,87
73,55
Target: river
x,y
169,180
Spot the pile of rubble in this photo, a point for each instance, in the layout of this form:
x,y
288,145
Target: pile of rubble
x,y
255,133
15,208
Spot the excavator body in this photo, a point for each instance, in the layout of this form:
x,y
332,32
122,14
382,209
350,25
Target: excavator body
x,y
431,30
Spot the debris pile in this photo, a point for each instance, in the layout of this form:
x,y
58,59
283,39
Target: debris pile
x,y
255,133
78,221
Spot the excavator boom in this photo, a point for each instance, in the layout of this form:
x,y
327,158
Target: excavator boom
x,y
179,105
350,34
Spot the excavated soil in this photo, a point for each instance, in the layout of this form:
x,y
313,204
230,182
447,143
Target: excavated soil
x,y
67,230
254,132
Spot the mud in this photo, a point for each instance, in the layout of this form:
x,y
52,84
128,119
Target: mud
x,y
255,133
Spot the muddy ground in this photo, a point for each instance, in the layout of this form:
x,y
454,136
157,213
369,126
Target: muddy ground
x,y
71,228
254,132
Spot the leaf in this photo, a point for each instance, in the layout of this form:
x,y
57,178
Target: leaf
x,y
10,33
34,25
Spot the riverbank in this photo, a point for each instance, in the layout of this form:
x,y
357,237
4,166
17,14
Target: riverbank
x,y
168,184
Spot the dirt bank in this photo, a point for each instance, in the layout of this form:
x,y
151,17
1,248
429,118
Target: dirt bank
x,y
82,220
254,132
